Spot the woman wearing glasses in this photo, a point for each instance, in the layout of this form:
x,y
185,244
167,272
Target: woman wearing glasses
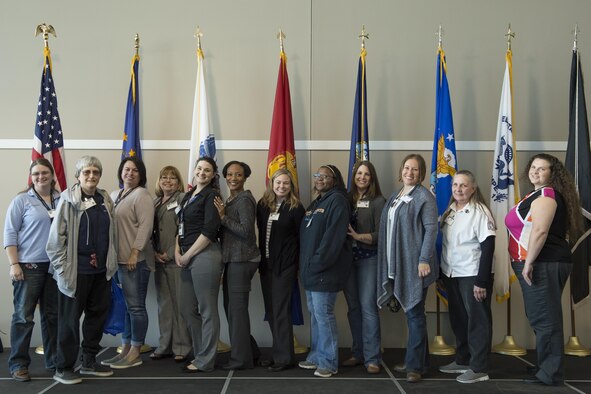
x,y
325,264
174,333
406,259
26,229
81,248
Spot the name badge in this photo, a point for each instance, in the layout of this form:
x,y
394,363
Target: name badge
x,y
181,229
88,203
172,205
274,216
363,204
51,213
406,199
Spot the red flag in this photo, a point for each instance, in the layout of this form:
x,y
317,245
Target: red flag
x,y
281,145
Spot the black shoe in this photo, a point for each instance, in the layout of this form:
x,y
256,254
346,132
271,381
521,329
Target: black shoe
x,y
532,369
534,380
279,367
266,363
229,367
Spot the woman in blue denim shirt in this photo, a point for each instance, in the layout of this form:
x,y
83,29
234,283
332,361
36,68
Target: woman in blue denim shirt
x,y
26,230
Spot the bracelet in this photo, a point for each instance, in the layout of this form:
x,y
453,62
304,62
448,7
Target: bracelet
x,y
14,264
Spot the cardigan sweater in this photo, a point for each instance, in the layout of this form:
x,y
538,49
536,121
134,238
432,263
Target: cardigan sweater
x,y
412,241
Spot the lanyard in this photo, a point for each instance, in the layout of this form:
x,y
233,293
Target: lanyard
x,y
49,209
121,196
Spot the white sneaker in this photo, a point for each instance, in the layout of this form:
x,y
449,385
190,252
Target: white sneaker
x,y
324,373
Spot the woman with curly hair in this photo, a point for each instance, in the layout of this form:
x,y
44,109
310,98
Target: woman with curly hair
x,y
540,226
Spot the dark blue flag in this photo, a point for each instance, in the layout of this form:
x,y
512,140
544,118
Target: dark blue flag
x,y
359,137
131,131
578,162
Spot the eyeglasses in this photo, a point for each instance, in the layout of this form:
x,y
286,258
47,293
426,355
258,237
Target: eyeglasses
x,y
88,172
40,173
322,176
168,178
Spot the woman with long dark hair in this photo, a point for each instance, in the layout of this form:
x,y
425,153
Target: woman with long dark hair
x,y
540,227
367,203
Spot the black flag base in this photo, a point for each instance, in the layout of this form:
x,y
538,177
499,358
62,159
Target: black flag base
x,y
574,348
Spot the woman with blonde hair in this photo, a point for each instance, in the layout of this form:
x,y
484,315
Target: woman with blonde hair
x,y
279,215
174,334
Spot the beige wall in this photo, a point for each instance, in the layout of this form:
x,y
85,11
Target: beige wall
x,y
91,59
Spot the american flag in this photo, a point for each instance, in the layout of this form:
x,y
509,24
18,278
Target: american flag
x,y
48,141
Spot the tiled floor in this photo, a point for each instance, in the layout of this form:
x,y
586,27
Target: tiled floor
x,y
165,376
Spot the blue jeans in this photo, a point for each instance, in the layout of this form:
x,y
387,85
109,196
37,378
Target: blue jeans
x,y
417,346
324,350
38,286
364,319
135,287
543,307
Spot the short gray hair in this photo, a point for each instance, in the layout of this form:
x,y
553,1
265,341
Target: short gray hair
x,y
88,161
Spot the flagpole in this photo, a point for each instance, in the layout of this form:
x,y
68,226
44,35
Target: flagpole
x,y
508,346
45,30
574,347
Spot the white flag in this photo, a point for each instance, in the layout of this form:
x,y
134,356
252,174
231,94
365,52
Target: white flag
x,y
202,139
504,190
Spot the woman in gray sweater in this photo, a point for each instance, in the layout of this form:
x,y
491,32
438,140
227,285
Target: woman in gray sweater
x,y
241,258
406,259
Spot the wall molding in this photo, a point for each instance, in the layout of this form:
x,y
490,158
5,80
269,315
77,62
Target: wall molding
x,y
303,145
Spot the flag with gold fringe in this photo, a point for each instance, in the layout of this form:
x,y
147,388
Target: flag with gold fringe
x,y
504,189
444,162
131,131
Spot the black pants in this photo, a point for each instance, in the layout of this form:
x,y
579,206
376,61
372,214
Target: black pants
x,y
471,322
277,291
237,277
93,297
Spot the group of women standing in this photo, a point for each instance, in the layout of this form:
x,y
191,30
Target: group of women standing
x,y
379,252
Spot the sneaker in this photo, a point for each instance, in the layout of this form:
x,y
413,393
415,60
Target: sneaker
x,y
324,373
111,360
472,377
307,365
125,363
400,368
96,369
66,376
453,367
